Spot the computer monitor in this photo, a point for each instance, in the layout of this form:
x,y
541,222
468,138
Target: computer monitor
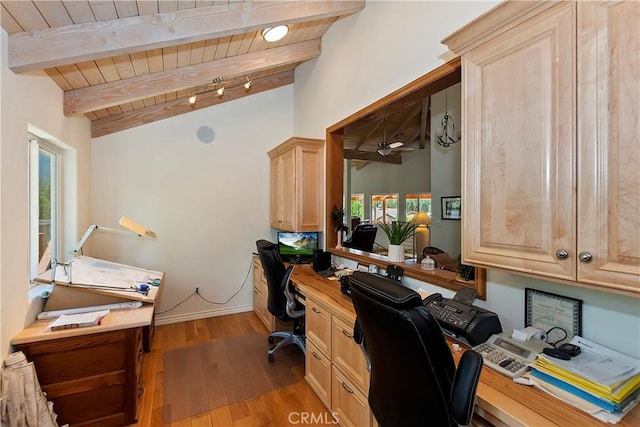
x,y
297,246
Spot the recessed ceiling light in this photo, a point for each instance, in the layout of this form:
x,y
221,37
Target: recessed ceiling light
x,y
274,34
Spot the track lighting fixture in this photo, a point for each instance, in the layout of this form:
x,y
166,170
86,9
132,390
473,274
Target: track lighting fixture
x,y
273,34
218,84
247,85
192,99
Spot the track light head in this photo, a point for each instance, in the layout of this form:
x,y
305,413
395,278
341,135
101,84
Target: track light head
x,y
247,85
192,99
220,90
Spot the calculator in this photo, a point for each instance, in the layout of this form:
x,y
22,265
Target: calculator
x,y
508,356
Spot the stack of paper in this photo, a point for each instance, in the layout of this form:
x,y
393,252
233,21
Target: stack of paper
x,y
598,379
80,320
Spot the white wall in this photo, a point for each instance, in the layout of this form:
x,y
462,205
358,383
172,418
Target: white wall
x,y
208,203
384,47
33,101
445,172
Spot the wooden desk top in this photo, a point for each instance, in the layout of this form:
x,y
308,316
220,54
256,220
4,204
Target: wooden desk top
x,y
114,321
498,399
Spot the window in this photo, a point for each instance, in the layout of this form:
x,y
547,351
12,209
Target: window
x,y
384,208
415,203
357,206
44,159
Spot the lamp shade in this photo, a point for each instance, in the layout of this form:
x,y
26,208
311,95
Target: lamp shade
x,y
421,218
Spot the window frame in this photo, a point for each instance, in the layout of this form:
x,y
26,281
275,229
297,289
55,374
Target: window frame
x,y
36,145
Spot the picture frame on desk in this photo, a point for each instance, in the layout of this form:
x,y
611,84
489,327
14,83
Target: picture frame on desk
x,y
546,310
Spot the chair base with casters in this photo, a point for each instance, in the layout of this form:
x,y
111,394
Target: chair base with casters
x,y
287,338
281,300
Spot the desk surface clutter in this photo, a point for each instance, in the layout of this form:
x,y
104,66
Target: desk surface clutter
x,y
499,399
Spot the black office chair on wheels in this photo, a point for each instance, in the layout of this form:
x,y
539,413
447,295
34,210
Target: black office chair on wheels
x,y
414,381
280,300
362,237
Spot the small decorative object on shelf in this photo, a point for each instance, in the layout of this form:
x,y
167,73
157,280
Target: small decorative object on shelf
x,y
428,264
397,232
337,217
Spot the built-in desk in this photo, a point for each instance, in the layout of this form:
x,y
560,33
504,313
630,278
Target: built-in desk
x,y
499,400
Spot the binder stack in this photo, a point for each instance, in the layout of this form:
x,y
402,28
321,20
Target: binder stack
x,y
599,381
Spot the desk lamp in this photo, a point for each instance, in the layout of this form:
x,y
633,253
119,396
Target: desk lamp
x,y
421,234
133,229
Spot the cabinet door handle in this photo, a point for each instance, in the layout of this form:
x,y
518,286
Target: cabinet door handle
x,y
347,333
316,355
315,310
562,254
346,387
585,257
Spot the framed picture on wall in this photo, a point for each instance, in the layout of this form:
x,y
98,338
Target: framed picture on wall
x,y
451,207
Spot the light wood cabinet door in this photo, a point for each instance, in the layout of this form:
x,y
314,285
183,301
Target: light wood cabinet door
x,y
318,373
296,185
347,355
518,155
609,144
283,190
318,326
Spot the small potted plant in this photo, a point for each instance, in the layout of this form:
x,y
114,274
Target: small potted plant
x,y
337,215
397,232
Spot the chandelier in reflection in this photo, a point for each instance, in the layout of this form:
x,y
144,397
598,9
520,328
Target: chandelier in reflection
x,y
446,137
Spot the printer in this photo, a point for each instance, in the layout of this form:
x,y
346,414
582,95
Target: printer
x,y
462,320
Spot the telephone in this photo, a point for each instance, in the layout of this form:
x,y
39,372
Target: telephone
x,y
459,318
508,356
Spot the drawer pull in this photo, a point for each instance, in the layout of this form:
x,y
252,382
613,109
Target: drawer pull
x,y
347,333
315,310
346,387
316,355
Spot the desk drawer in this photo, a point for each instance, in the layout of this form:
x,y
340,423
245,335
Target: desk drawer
x,y
348,356
318,373
318,327
351,406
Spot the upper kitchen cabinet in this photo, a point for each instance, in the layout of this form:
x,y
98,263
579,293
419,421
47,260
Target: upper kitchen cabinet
x,y
551,141
296,185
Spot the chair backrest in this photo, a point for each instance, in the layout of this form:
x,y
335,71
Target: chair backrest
x,y
274,271
412,370
362,237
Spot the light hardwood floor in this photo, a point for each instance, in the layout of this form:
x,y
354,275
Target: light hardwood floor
x,y
269,409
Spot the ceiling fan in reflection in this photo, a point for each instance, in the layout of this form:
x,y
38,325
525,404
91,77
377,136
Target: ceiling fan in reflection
x,y
386,148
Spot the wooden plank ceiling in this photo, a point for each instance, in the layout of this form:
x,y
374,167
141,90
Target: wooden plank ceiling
x,y
126,63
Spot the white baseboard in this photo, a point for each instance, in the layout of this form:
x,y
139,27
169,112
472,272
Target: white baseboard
x,y
167,320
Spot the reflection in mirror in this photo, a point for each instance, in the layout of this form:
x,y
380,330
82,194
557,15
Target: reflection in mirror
x,y
384,162
411,187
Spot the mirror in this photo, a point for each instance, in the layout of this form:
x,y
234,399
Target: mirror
x,y
387,154
395,177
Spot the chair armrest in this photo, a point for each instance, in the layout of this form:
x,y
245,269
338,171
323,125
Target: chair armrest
x,y
291,308
465,383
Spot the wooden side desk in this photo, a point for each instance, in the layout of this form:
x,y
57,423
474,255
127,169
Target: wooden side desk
x,y
93,375
499,400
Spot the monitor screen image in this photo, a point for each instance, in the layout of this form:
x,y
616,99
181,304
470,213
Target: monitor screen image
x,y
297,244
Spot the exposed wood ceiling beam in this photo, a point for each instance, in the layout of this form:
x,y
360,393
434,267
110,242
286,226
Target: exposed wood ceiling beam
x,y
80,101
154,113
425,122
36,50
407,119
368,134
395,159
447,79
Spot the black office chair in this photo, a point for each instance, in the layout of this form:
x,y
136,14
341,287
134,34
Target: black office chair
x,y
362,237
414,381
280,299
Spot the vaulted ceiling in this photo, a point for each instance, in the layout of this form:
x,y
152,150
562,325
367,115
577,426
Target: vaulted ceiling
x,y
126,63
